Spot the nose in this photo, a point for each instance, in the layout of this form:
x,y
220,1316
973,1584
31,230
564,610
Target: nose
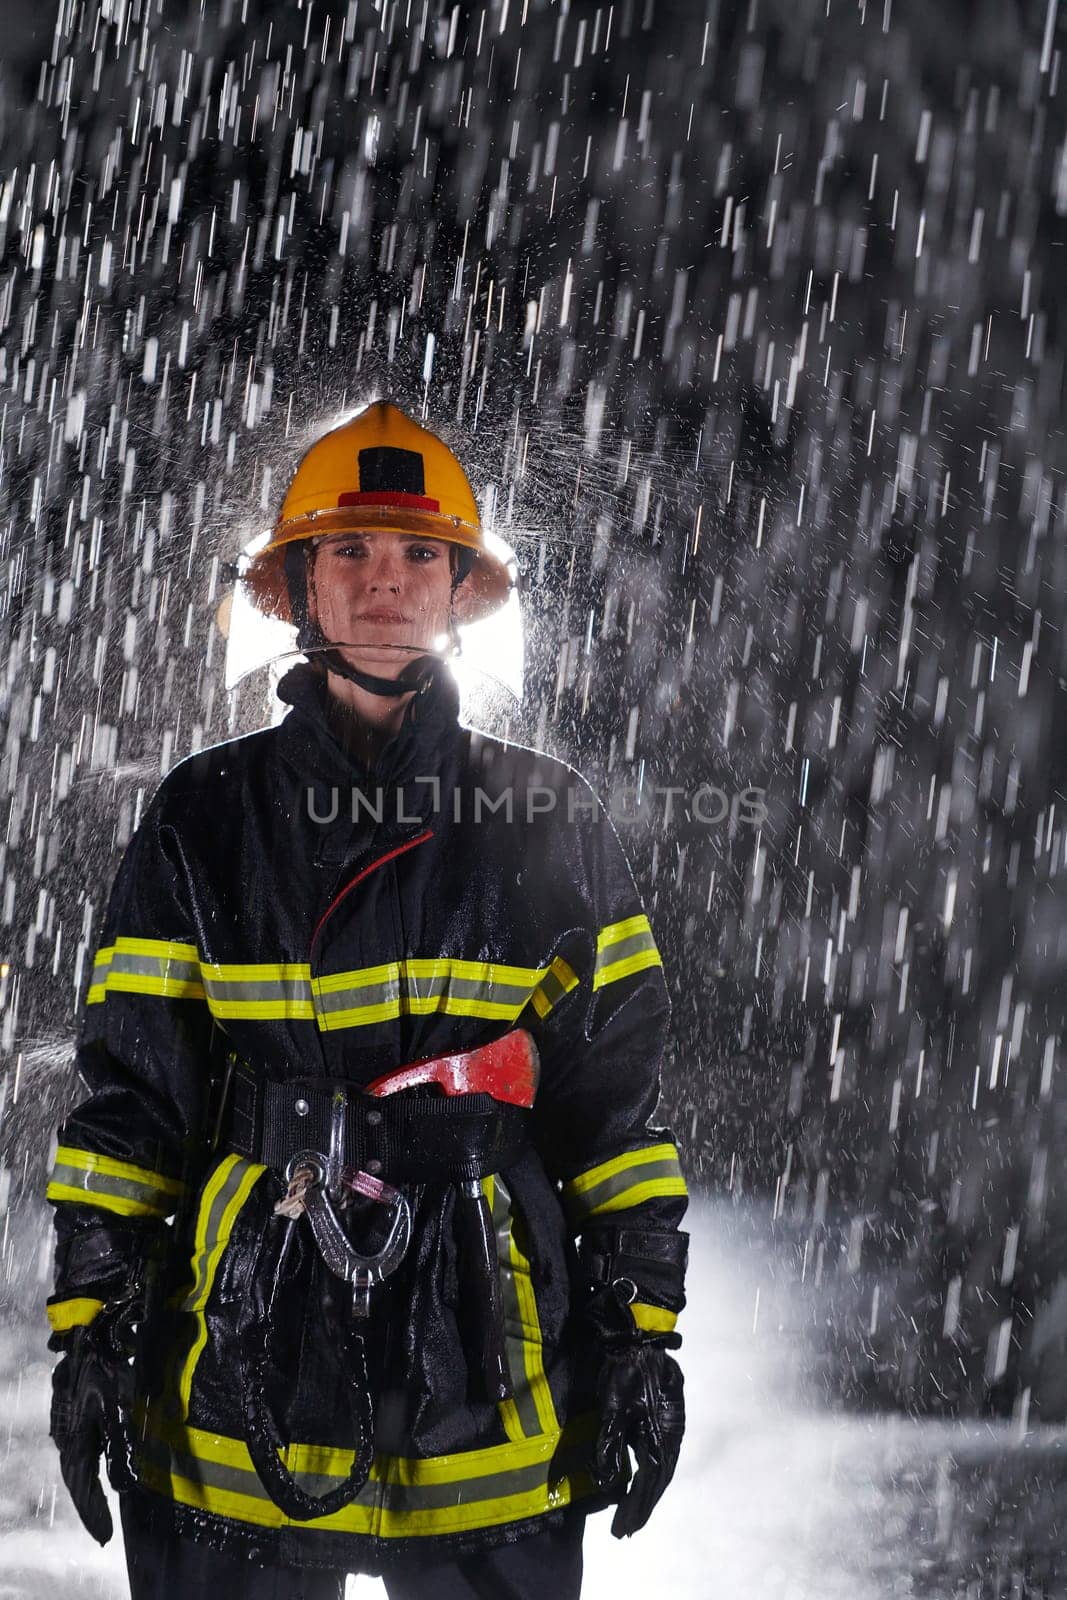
x,y
386,570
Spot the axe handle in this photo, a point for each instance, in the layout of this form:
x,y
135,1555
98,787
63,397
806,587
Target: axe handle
x,y
480,1250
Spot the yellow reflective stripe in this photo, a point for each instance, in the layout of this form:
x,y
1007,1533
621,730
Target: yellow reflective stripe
x,y
509,1416
131,983
623,948
373,995
204,1444
145,966
77,1313
558,981
256,972
455,1006
655,1188
86,1178
224,1194
368,977
624,1163
531,1327
627,1180
566,974
357,1016
154,949
258,992
376,1520
105,1202
262,1010
167,988
622,969
271,991
108,1166
447,1005
359,978
653,1319
519,1415
475,971
403,1496
616,932
385,992
508,1409
478,988
138,983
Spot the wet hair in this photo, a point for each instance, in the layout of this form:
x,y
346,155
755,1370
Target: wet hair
x,y
461,560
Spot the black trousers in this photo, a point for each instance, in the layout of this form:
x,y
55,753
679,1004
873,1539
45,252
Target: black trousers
x,y
167,1567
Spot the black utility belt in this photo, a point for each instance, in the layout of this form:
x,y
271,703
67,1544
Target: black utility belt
x,y
414,1137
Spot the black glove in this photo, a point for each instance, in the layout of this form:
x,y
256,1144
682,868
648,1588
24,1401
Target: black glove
x,y
92,1394
639,1384
642,1409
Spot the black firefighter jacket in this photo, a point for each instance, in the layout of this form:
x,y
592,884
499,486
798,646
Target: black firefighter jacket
x,y
251,915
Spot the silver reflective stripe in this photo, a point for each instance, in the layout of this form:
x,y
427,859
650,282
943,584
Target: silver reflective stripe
x,y
356,997
334,1000
175,969
624,948
114,1185
664,1174
253,990
106,1183
488,992
374,1493
411,993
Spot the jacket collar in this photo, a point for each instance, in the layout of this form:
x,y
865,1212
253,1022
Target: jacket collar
x,y
310,744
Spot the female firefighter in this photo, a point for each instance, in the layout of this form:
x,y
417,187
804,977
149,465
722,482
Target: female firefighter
x,y
368,1257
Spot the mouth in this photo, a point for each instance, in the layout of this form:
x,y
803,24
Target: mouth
x,y
381,614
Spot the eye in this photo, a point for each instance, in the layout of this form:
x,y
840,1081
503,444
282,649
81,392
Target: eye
x,y
356,549
422,553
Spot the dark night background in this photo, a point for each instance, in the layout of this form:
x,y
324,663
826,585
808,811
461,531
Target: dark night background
x,y
748,323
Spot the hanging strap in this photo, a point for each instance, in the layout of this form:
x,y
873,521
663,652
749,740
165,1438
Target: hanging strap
x,y
262,1434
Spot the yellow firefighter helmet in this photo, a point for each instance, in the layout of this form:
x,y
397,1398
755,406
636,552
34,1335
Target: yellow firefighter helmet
x,y
381,471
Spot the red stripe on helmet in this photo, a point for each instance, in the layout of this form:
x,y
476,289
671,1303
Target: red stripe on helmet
x,y
389,497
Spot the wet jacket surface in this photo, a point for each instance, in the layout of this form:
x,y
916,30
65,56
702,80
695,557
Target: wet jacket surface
x,y
481,887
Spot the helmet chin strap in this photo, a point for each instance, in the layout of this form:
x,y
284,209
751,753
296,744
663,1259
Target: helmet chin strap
x,y
389,688
310,637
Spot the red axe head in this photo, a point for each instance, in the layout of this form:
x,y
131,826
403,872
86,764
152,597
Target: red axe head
x,y
508,1069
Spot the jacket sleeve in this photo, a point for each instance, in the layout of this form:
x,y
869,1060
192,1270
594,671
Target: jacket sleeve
x,y
603,1018
144,1045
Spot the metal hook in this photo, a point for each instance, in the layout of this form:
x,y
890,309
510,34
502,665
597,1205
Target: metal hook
x,y
363,1272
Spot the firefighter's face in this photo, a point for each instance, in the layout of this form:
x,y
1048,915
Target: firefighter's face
x,y
376,591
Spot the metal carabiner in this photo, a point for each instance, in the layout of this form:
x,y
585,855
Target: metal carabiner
x,y
363,1272
332,1182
